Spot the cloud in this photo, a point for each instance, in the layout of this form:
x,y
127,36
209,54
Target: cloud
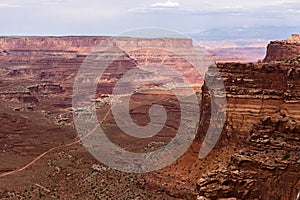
x,y
166,4
9,5
110,17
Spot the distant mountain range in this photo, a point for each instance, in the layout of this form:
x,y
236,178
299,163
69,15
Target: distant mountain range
x,y
246,32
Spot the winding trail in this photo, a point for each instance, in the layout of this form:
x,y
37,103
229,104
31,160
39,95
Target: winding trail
x,y
55,148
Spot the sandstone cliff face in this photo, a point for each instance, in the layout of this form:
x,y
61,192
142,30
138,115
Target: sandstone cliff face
x,y
266,167
83,44
282,50
44,44
257,90
263,122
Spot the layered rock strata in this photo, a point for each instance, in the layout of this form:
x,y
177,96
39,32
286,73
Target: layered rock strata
x,y
283,49
261,129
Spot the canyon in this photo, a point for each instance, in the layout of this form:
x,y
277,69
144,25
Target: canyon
x,y
257,155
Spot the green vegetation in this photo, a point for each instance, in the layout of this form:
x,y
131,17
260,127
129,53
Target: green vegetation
x,y
286,155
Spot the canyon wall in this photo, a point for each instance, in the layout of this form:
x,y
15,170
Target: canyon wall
x,y
263,122
83,44
258,90
54,60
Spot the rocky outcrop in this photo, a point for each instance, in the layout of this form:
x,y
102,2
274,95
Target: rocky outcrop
x,y
256,90
46,89
19,96
263,122
284,49
266,167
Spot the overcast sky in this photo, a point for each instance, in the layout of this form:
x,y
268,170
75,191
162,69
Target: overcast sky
x,y
110,17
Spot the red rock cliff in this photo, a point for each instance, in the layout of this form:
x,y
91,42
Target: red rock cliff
x,y
284,49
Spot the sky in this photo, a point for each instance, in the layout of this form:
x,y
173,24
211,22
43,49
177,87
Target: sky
x,y
111,17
